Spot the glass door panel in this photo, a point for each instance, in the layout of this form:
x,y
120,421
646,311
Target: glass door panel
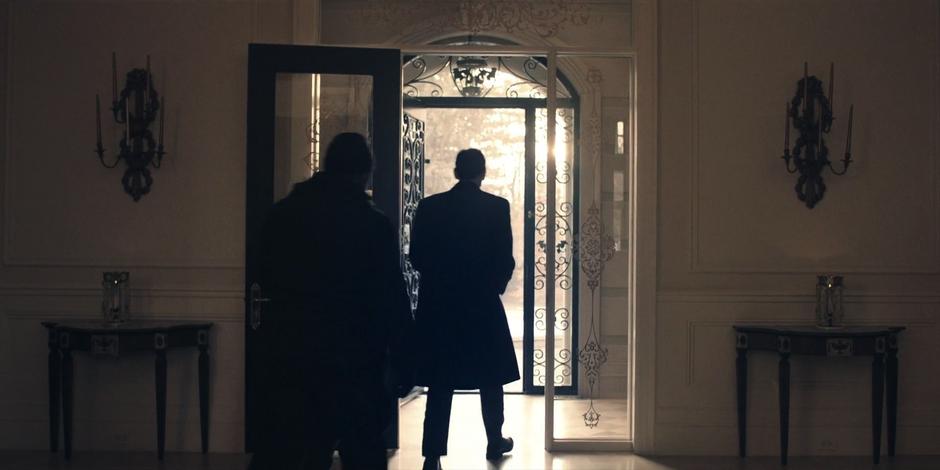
x,y
310,110
601,342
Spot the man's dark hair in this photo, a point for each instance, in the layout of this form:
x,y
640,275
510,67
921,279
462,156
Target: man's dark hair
x,y
470,164
348,153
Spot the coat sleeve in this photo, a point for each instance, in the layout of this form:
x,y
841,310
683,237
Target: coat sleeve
x,y
505,264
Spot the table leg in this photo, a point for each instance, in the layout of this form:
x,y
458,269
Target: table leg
x,y
67,383
784,395
741,364
54,390
877,403
891,372
160,379
204,395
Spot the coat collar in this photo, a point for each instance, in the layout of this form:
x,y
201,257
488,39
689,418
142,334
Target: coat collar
x,y
337,187
466,186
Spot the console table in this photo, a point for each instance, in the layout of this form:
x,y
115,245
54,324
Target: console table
x,y
103,339
879,342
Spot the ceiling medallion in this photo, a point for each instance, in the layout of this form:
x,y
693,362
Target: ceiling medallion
x,y
542,17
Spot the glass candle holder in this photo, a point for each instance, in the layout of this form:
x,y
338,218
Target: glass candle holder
x,y
115,296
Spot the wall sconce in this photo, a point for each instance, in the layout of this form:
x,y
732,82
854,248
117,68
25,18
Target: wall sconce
x,y
136,108
811,114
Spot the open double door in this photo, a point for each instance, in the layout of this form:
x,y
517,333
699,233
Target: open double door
x,y
299,97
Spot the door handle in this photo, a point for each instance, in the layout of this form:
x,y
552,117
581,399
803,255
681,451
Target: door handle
x,y
255,301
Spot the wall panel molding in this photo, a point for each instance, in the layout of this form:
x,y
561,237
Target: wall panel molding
x,y
829,398
697,265
13,261
67,316
63,291
11,254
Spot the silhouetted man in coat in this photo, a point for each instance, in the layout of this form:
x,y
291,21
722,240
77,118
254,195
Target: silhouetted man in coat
x,y
331,265
461,243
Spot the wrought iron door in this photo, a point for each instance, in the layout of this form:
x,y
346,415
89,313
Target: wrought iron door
x,y
412,190
565,373
566,316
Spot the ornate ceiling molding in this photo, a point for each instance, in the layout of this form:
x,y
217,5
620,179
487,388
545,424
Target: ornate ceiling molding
x,y
544,18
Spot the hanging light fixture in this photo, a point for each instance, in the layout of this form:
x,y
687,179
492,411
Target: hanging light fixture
x,y
473,76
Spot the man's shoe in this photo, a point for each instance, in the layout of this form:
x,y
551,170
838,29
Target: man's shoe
x,y
432,463
496,451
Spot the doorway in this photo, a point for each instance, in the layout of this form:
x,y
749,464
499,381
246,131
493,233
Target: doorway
x,y
497,104
285,131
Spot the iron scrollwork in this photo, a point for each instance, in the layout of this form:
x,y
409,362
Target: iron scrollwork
x,y
419,73
412,192
436,76
563,364
564,234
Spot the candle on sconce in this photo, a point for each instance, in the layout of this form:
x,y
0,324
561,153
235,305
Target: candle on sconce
x,y
147,85
805,87
819,133
98,118
162,106
113,77
848,137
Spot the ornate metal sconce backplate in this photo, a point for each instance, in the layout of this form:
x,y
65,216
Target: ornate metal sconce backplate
x,y
136,107
810,112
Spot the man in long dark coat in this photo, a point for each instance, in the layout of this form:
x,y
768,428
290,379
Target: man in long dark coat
x,y
331,265
461,243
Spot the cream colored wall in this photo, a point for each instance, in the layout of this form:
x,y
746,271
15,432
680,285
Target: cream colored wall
x,y
735,244
591,23
66,218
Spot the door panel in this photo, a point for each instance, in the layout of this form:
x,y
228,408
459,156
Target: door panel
x,y
299,97
310,110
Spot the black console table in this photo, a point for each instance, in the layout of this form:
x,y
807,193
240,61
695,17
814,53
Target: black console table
x,y
879,342
100,338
